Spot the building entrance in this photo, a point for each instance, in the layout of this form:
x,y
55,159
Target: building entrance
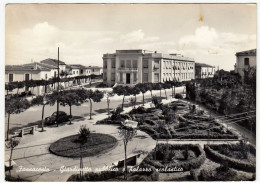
x,y
127,78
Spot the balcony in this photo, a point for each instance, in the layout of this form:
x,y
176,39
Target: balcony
x,y
128,69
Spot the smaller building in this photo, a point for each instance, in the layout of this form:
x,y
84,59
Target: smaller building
x,y
245,60
203,71
77,70
96,70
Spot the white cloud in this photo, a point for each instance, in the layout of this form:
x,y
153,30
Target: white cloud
x,y
137,36
41,42
203,36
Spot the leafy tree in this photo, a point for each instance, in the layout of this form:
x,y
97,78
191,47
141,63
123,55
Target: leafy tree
x,y
70,98
165,86
127,134
19,85
134,91
10,87
150,87
94,96
121,90
108,95
14,106
42,100
12,144
143,89
158,86
191,91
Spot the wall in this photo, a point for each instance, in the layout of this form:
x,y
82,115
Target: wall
x,y
240,63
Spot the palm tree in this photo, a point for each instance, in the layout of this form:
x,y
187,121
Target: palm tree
x,y
83,137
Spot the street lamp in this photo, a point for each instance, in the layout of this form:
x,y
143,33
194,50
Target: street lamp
x,y
44,102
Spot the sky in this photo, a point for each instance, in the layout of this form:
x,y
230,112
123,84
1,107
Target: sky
x,y
209,33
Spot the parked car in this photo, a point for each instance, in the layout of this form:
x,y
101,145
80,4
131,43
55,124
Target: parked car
x,y
63,117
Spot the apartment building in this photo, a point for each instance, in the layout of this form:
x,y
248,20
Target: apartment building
x,y
129,67
245,60
203,71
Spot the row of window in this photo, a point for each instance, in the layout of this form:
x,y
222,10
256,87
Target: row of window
x,y
181,75
177,65
26,77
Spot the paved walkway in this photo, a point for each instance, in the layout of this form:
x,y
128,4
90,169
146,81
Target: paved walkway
x,y
33,150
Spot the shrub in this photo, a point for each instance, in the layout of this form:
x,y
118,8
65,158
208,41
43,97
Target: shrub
x,y
102,85
91,176
231,162
116,113
185,165
178,96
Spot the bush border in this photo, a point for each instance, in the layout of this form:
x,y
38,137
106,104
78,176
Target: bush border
x,y
231,162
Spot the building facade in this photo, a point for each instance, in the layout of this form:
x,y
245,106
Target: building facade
x,y
245,60
203,71
129,67
96,70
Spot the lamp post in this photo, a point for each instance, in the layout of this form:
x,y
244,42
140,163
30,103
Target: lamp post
x,y
44,102
58,87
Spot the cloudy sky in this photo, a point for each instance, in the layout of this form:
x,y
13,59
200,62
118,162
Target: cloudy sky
x,y
209,33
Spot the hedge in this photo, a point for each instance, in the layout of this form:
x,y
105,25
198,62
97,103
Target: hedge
x,y
91,176
203,136
185,165
231,162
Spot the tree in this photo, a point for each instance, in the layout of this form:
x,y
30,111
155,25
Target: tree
x,y
165,86
70,98
83,137
172,84
12,144
191,91
134,91
142,87
19,85
127,133
94,96
42,100
14,106
10,87
108,95
150,87
122,90
158,86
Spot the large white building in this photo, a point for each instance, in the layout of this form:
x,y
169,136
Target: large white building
x,y
129,67
203,71
245,60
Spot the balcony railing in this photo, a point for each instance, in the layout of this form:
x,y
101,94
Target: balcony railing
x,y
128,69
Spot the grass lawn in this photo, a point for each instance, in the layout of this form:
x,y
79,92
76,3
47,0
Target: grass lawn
x,y
70,147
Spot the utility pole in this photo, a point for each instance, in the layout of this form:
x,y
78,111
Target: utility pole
x,y
174,78
58,87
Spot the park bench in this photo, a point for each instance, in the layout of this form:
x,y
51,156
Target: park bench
x,y
26,130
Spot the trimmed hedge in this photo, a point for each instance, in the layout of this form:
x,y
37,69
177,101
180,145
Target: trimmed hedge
x,y
231,162
204,136
91,176
185,165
